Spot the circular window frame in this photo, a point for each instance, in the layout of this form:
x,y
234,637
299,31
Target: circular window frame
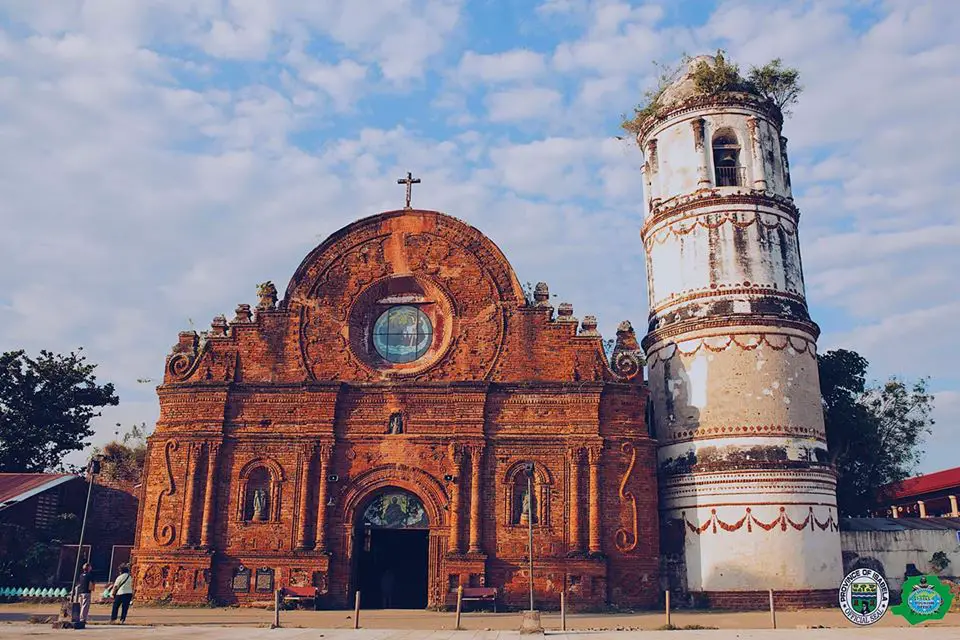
x,y
427,296
383,322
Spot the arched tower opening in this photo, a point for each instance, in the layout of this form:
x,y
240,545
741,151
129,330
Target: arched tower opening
x,y
728,171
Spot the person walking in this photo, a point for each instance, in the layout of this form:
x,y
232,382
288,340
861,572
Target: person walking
x,y
122,591
84,589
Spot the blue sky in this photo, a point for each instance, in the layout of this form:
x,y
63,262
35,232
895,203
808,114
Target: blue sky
x,y
160,158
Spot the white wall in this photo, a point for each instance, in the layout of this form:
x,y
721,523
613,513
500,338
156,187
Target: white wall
x,y
893,550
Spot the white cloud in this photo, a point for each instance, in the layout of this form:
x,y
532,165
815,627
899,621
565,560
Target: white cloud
x,y
518,64
160,158
513,105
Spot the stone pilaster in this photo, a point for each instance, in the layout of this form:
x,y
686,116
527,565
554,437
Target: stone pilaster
x,y
759,176
209,495
320,543
953,507
576,530
196,450
593,457
476,455
652,169
456,456
699,135
306,460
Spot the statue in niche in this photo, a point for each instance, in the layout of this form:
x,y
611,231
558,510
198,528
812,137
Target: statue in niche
x,y
395,425
259,505
526,508
525,502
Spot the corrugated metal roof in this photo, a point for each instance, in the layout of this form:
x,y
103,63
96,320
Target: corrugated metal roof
x,y
17,487
899,524
919,485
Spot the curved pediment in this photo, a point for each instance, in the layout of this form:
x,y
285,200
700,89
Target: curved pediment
x,y
403,294
401,242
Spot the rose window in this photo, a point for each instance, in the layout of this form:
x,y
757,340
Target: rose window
x,y
402,334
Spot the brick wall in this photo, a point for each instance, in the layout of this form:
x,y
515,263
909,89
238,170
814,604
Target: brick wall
x,y
297,388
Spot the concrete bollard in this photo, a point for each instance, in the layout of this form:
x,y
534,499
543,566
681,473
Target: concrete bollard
x,y
773,611
276,609
563,612
356,611
459,605
667,606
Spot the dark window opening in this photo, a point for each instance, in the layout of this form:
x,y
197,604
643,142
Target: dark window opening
x,y
726,160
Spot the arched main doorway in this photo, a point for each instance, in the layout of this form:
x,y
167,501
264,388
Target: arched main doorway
x,y
391,544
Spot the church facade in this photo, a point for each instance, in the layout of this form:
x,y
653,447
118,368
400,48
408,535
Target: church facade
x,y
374,431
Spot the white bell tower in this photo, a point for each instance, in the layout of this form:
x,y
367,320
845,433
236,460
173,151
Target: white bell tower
x,y
731,351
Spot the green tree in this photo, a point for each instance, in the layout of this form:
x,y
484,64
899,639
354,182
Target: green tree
x,y
776,83
722,75
46,405
123,459
874,432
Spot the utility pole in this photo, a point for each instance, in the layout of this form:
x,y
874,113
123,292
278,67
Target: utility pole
x,y
93,468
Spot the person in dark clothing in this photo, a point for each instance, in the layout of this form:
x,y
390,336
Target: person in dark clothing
x,y
84,589
122,591
386,588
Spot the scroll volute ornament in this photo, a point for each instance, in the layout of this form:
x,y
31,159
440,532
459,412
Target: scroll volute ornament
x,y
627,359
183,355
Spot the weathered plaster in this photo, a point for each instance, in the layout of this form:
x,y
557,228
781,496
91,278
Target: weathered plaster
x,y
731,349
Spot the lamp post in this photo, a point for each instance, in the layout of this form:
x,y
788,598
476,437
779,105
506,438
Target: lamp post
x,y
531,618
528,470
93,468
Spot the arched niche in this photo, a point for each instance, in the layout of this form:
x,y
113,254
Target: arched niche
x,y
515,490
260,491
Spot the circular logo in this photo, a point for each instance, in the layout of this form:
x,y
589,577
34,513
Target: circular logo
x,y
924,600
864,596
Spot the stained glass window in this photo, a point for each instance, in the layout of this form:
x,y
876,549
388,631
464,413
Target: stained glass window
x,y
402,334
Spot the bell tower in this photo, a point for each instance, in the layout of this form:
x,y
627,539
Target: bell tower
x,y
731,350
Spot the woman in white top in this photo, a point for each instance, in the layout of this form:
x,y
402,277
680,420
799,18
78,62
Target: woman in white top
x,y
122,591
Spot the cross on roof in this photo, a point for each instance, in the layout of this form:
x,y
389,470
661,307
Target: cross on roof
x,y
409,181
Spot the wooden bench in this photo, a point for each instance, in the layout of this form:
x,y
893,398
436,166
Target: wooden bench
x,y
481,594
300,594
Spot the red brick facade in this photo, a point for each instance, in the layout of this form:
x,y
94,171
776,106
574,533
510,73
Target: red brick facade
x,y
294,401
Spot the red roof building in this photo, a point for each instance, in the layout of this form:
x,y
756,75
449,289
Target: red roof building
x,y
32,510
928,496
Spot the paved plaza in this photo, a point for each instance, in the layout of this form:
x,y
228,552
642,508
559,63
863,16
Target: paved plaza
x,y
242,623
20,630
